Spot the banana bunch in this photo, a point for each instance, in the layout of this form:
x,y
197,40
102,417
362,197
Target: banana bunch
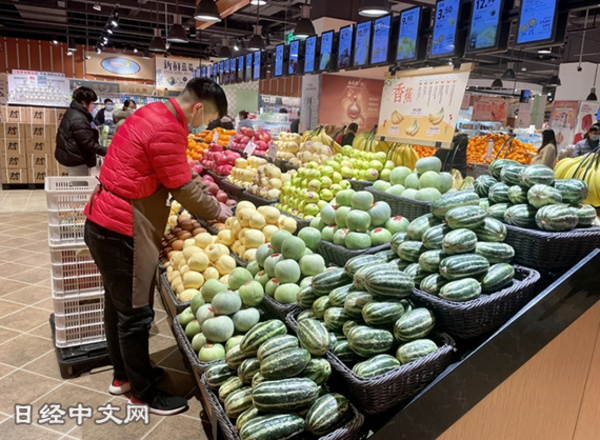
x,y
366,141
403,155
436,118
320,135
583,168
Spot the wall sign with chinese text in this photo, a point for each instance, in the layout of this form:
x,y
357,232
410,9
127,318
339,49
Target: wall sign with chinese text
x,y
174,73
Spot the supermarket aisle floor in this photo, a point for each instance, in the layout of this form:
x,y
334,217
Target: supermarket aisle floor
x,y
29,372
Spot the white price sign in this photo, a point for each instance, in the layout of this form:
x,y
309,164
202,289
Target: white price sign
x,y
272,151
250,147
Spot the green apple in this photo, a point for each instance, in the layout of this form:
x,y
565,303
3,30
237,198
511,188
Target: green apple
x,y
311,209
347,150
345,184
314,185
312,197
326,182
304,183
338,157
302,173
320,204
296,181
371,175
326,194
347,163
389,165
384,174
376,165
301,205
326,171
380,156
335,188
337,177
346,172
312,165
304,194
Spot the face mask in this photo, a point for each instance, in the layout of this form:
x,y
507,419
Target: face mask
x,y
110,108
193,127
196,130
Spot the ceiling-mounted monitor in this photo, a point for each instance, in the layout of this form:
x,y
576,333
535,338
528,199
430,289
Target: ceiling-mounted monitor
x,y
487,31
326,51
257,65
226,72
362,44
233,71
279,52
294,62
310,54
537,21
445,27
344,60
240,62
249,64
408,34
215,71
382,28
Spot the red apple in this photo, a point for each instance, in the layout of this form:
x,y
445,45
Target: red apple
x,y
230,202
222,197
213,188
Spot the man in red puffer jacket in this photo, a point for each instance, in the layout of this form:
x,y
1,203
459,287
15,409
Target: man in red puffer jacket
x,y
126,218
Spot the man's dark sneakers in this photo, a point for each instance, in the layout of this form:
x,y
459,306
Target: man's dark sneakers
x,y
163,404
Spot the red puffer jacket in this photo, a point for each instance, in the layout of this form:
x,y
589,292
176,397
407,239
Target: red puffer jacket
x,y
146,153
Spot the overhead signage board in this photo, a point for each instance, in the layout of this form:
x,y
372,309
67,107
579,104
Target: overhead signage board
x,y
120,65
537,21
445,27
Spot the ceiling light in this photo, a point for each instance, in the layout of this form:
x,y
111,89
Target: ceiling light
x,y
69,53
374,8
54,41
146,54
114,19
236,47
258,2
554,80
592,96
177,34
207,10
547,51
72,46
305,27
256,42
97,7
523,69
157,44
102,43
104,39
109,30
509,73
98,49
497,84
225,50
135,50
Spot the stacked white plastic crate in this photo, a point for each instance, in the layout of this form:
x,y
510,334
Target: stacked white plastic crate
x,y
77,288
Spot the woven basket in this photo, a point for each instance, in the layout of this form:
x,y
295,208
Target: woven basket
x,y
338,255
411,209
300,222
173,306
551,250
258,201
486,313
235,192
360,185
378,394
275,308
350,431
186,346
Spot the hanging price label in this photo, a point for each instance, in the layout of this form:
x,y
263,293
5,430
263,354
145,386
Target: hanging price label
x,y
250,147
272,151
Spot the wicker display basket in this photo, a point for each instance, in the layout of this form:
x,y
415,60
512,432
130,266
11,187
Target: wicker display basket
x,y
234,191
238,259
551,250
360,185
338,255
378,394
256,200
409,208
186,346
173,306
350,431
486,313
300,222
276,309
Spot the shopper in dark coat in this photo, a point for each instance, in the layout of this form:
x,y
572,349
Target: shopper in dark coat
x,y
101,116
76,141
457,157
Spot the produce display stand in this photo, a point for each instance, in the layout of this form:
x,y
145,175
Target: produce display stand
x,y
408,208
173,306
256,200
234,191
338,255
300,222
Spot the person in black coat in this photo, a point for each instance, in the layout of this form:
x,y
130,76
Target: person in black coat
x,y
76,141
457,157
101,116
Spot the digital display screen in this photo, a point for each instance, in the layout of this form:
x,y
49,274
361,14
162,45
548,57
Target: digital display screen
x,y
362,44
215,70
485,24
537,20
226,74
221,67
249,61
279,50
241,68
409,32
203,70
381,39
444,27
326,48
310,53
256,65
233,70
293,64
345,47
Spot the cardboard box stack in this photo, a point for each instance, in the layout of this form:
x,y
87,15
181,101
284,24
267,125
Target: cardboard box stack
x,y
27,144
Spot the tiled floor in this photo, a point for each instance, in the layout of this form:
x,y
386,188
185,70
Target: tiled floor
x,y
29,372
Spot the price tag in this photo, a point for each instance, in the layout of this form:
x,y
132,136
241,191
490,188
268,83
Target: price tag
x,y
250,147
272,151
215,136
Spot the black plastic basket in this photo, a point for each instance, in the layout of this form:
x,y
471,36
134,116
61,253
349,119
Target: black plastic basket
x,y
551,250
350,431
409,208
234,191
486,313
300,222
256,200
338,255
276,309
360,185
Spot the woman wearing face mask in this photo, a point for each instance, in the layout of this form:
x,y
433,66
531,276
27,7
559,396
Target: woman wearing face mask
x,y
105,115
590,142
126,218
76,141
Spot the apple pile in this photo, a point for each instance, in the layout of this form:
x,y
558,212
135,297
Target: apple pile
x,y
288,145
307,152
356,222
217,192
309,189
245,170
261,138
219,160
268,181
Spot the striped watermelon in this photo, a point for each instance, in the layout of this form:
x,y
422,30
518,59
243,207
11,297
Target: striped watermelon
x,y
260,333
432,283
217,374
334,318
495,252
348,325
318,370
572,190
398,238
338,295
556,218
497,165
248,369
517,195
306,297
456,267
306,314
484,203
586,214
465,289
327,413
497,211
388,255
411,351
377,313
511,173
410,251
420,225
313,336
520,215
376,366
249,414
234,357
414,325
286,395
229,386
273,427
325,282
359,277
497,277
258,378
459,241
498,193
537,174
450,200
430,261
286,363
355,301
468,217
541,195
432,239
355,263
389,283
319,307
483,184
367,341
416,272
344,353
491,230
238,402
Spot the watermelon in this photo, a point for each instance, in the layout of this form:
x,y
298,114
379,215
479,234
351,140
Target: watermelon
x,y
556,218
325,282
216,374
448,201
430,261
432,239
432,283
334,318
286,363
398,238
275,345
286,395
572,190
497,277
355,301
410,251
464,289
586,214
497,165
498,193
520,215
313,336
459,241
246,416
497,211
420,225
318,370
376,366
306,297
273,427
456,267
390,283
234,357
491,230
416,272
517,195
541,195
306,314
248,368
327,413
377,313
414,325
355,263
537,174
344,353
411,351
260,333
367,341
468,217
320,306
483,184
238,402
511,173
338,295
495,252
229,386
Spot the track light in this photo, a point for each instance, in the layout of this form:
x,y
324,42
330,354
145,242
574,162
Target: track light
x,y
305,27
69,53
55,41
114,20
135,50
207,10
258,2
97,7
108,30
374,8
72,46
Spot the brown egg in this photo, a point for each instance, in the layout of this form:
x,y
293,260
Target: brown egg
x,y
175,230
177,245
197,231
184,235
170,254
187,225
171,240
